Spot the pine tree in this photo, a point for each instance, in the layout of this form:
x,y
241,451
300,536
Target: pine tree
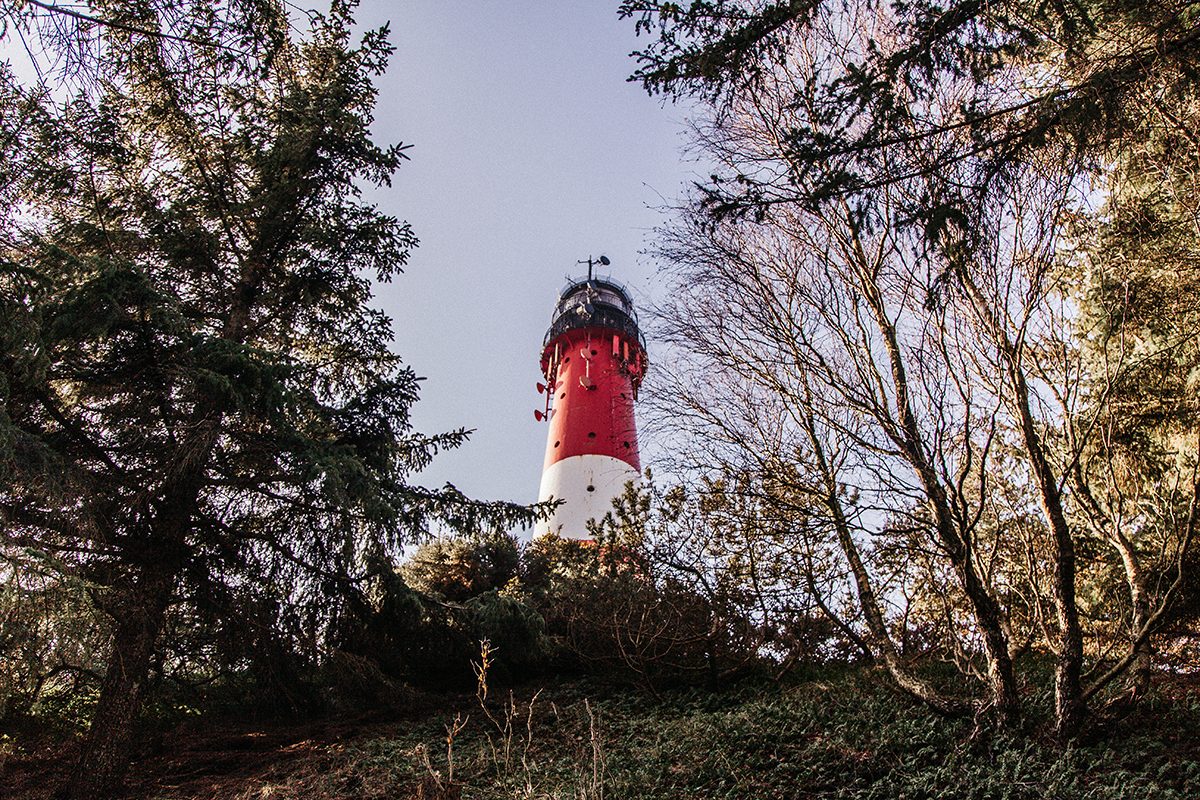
x,y
1137,277
200,405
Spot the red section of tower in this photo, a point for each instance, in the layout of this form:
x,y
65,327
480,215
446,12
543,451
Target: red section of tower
x,y
595,372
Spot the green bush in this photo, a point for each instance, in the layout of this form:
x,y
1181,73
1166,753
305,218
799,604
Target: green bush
x,y
426,640
457,569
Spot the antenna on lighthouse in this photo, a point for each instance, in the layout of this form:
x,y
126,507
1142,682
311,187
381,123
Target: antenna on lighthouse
x,y
602,261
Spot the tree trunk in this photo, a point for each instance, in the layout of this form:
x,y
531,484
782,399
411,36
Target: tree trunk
x,y
1068,668
1135,578
1001,678
884,647
1109,528
1068,710
108,748
139,609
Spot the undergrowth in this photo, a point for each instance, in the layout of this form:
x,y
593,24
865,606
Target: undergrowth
x,y
846,737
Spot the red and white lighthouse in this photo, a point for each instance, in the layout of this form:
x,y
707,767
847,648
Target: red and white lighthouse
x,y
593,359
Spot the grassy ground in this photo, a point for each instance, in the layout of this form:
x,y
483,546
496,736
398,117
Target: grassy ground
x,y
843,736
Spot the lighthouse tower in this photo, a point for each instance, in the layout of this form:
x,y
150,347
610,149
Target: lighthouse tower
x,y
593,359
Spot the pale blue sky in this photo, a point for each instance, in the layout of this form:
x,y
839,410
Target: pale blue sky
x,y
530,152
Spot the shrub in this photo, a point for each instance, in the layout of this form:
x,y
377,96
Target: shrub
x,y
457,569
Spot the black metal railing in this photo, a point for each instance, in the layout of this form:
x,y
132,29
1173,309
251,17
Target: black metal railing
x,y
599,316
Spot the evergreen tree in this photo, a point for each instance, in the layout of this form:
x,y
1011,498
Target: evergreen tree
x,y
201,411
1136,277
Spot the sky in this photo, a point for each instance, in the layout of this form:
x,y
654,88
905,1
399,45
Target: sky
x,y
530,151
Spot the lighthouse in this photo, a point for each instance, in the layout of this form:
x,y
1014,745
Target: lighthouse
x,y
593,360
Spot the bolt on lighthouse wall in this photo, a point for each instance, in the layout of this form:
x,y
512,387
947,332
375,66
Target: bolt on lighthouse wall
x,y
593,360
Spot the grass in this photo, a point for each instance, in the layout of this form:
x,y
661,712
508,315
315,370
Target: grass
x,y
845,736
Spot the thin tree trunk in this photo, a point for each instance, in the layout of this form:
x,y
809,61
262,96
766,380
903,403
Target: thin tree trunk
x,y
1135,578
863,646
884,647
1068,711
1001,677
1109,528
1068,670
877,625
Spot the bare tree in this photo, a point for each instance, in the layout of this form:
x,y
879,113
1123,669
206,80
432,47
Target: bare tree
x,y
912,339
855,406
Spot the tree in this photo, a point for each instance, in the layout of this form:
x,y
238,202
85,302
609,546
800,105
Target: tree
x,y
201,408
960,136
1135,269
457,569
846,403
1026,74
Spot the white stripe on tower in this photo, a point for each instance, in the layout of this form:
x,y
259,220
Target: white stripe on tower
x,y
588,483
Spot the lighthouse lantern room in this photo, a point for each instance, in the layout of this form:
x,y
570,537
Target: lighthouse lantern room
x,y
593,360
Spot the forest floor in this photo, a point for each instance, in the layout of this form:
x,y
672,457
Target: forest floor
x,y
842,735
